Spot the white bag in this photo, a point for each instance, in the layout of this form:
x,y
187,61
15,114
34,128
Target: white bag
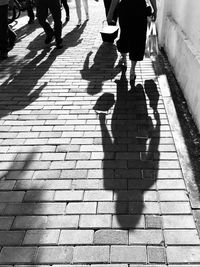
x,y
152,40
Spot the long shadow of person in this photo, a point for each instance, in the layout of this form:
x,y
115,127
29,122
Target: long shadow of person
x,y
133,141
21,89
102,69
71,39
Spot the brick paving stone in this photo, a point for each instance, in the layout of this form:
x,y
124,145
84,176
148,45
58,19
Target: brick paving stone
x,y
178,221
128,254
69,221
5,223
175,208
173,195
156,254
38,195
41,237
113,237
170,184
95,221
49,255
81,208
142,237
91,254
110,208
67,195
100,195
183,254
76,237
181,237
18,255
7,185
128,221
153,221
29,222
14,238
35,209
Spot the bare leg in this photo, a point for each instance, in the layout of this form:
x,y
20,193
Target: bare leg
x,y
85,5
78,10
132,70
122,60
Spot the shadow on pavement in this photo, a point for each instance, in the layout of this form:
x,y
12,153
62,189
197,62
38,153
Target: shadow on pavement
x,y
131,152
102,69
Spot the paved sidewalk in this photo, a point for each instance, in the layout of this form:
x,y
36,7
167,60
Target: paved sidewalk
x,y
90,168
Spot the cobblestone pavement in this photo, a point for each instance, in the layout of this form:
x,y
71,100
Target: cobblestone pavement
x,y
90,168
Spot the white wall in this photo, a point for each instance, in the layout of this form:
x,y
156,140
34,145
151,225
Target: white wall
x,y
179,34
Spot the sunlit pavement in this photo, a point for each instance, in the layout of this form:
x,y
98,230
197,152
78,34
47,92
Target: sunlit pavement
x,y
94,171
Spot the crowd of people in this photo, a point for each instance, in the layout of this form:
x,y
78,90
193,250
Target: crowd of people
x,y
131,15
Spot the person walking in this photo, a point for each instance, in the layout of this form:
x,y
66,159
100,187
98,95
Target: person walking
x,y
43,6
107,4
7,35
66,7
133,26
30,12
79,11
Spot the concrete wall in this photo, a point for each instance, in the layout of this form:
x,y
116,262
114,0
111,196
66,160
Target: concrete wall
x,y
179,34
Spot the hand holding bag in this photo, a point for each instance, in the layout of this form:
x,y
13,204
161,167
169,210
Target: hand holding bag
x,y
152,40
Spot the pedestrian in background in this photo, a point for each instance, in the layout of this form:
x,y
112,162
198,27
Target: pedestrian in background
x,y
66,7
79,10
107,4
7,35
133,27
43,6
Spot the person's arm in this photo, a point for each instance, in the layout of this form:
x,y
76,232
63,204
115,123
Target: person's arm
x,y
111,10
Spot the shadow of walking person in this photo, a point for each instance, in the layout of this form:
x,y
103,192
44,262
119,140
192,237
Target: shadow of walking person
x,y
102,69
22,88
131,151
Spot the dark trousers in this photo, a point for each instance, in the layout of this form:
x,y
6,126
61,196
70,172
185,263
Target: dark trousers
x,y
107,4
43,6
7,35
30,9
66,7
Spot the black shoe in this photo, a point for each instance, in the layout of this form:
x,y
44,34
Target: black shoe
x,y
12,42
3,55
31,21
59,45
49,38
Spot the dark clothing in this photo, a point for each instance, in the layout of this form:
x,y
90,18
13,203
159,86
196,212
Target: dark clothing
x,y
7,35
29,8
107,4
43,6
66,7
133,26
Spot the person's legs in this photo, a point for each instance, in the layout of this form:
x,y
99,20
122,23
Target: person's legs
x,y
11,38
78,10
54,6
123,60
132,70
30,11
66,7
42,14
85,5
4,31
107,5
